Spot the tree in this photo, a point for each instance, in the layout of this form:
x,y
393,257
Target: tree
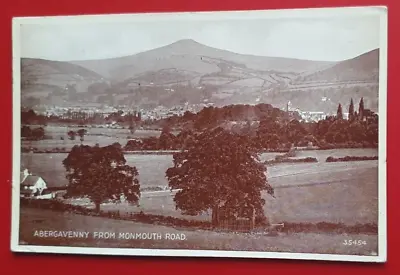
x,y
269,134
38,133
356,131
132,128
361,109
351,110
218,171
132,124
71,135
28,117
26,131
32,134
101,174
321,128
295,131
133,145
372,133
339,112
166,140
185,138
81,133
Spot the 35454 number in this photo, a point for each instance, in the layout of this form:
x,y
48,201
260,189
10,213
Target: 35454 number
x,y
354,242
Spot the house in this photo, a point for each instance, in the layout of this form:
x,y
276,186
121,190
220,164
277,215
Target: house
x,y
31,185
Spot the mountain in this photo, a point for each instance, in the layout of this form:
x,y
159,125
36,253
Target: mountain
x,y
191,56
364,68
52,82
338,83
189,72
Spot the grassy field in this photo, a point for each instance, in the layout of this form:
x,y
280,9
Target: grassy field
x,y
33,219
334,194
152,167
49,166
344,192
102,136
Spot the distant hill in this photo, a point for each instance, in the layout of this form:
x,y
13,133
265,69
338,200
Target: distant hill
x,y
46,82
191,56
363,68
338,83
189,72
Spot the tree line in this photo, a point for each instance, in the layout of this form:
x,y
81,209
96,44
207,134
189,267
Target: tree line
x,y
268,128
32,133
131,120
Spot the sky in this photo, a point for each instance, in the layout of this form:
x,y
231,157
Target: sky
x,y
329,39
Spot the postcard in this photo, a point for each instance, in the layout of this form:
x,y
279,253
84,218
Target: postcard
x,y
235,134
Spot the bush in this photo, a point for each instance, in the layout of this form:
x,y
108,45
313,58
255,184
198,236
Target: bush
x,y
350,158
291,160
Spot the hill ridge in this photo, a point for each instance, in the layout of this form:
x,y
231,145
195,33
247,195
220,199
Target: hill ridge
x,y
188,71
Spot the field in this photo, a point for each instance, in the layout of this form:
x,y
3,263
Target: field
x,y
101,135
49,166
344,192
33,219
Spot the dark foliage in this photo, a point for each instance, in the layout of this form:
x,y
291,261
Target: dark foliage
x,y
219,171
32,134
101,174
350,158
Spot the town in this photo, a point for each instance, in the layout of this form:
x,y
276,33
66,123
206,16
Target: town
x,y
158,113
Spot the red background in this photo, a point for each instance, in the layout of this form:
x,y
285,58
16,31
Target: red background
x,y
76,264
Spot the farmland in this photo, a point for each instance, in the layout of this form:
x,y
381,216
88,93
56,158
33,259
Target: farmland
x,y
344,192
33,219
151,167
102,135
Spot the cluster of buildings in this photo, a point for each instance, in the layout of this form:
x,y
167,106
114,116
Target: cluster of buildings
x,y
87,112
308,116
315,116
73,111
161,112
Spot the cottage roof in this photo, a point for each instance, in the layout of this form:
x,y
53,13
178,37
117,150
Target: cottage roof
x,y
30,180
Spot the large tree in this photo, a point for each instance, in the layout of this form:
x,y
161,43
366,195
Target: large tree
x,y
101,174
221,172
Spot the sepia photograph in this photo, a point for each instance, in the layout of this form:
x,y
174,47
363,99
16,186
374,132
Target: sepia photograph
x,y
244,134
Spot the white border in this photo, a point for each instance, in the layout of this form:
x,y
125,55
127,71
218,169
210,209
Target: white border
x,y
185,16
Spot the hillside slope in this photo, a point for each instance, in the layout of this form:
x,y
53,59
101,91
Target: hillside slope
x,y
187,55
364,68
45,81
322,90
189,72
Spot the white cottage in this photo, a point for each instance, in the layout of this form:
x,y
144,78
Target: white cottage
x,y
31,185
